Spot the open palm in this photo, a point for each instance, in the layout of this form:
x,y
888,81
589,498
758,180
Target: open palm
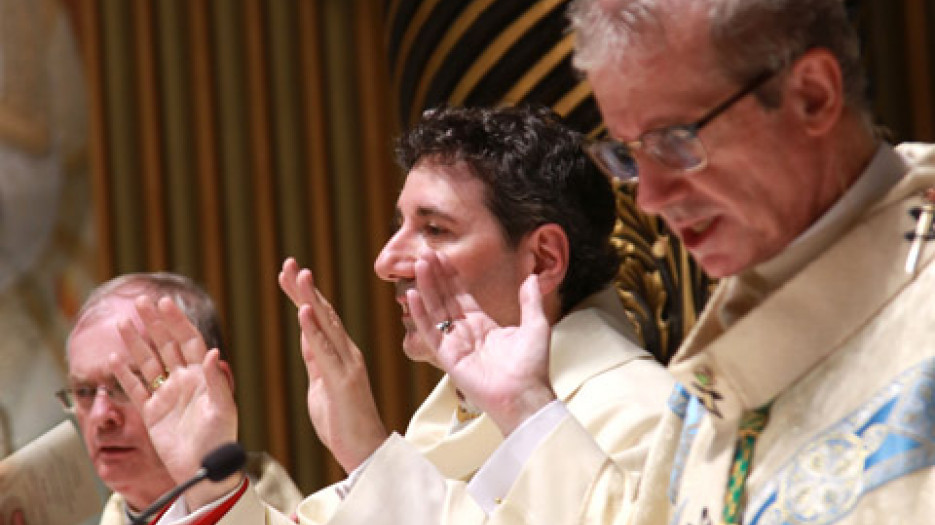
x,y
504,370
192,412
340,401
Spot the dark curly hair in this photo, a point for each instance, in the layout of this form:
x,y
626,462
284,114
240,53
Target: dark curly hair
x,y
534,173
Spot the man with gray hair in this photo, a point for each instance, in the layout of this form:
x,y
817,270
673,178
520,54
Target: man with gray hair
x,y
805,390
113,430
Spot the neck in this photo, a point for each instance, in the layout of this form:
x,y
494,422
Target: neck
x,y
849,153
552,305
856,145
138,499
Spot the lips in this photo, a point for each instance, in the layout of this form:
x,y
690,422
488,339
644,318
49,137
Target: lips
x,y
695,234
402,286
700,227
113,451
406,318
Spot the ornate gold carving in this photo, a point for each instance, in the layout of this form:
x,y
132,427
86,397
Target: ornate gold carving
x,y
661,287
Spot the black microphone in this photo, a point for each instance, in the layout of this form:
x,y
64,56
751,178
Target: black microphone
x,y
216,465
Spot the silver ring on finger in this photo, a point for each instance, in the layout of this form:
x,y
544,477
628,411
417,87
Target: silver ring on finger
x,y
445,326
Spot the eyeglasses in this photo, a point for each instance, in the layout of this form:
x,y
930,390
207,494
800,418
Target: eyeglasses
x,y
82,395
677,147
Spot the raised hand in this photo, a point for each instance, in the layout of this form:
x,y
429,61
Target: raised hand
x,y
181,390
502,370
340,402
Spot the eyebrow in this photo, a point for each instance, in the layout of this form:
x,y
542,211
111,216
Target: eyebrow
x,y
110,377
428,211
423,212
71,379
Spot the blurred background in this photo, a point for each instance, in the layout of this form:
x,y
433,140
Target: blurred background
x,y
214,138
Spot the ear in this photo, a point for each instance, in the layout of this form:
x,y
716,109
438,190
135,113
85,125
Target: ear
x,y
548,247
815,88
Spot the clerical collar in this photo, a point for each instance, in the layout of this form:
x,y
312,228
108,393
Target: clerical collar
x,y
130,514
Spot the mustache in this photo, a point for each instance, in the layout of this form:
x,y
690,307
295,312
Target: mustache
x,y
403,285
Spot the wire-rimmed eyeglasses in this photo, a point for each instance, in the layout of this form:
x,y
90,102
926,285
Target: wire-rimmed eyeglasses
x,y
82,395
677,147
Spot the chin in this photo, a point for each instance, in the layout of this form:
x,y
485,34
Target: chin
x,y
720,265
114,479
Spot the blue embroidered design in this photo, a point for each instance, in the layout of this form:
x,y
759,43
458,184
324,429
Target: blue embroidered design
x,y
693,413
678,400
891,436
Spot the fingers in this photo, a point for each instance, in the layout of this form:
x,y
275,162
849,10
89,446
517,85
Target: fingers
x,y
458,300
430,295
131,383
184,336
328,323
297,283
328,354
218,386
156,327
425,326
142,353
308,356
288,277
326,346
439,287
176,340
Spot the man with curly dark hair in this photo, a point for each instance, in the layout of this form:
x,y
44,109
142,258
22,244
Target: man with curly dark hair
x,y
504,197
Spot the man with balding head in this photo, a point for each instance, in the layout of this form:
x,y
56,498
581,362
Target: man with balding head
x,y
113,430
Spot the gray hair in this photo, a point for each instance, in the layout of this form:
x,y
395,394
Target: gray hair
x,y
194,302
749,36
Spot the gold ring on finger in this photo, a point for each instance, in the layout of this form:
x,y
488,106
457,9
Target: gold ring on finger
x,y
158,381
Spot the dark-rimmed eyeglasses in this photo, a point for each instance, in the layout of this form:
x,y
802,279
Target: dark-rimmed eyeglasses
x,y
82,395
676,147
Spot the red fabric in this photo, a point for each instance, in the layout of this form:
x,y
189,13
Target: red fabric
x,y
218,512
161,512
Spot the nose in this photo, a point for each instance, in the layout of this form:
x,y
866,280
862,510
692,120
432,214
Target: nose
x,y
104,412
658,187
397,257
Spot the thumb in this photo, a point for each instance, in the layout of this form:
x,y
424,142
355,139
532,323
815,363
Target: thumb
x,y
530,302
215,379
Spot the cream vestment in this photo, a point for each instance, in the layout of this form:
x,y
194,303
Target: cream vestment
x,y
845,353
843,350
614,388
